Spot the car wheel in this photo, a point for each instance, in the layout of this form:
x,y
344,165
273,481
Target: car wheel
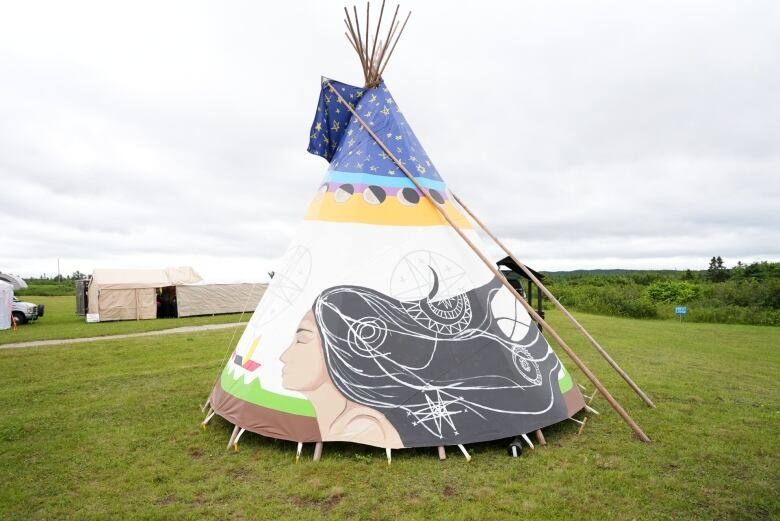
x,y
19,317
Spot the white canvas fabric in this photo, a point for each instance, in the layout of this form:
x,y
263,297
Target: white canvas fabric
x,y
112,292
128,304
15,281
182,275
6,304
210,299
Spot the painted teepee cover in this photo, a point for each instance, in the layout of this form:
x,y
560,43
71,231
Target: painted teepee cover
x,y
381,326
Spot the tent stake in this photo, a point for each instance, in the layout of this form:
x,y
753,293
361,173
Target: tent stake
x,y
317,451
389,456
581,422
592,410
531,311
442,453
465,452
298,452
540,437
528,441
232,436
560,306
582,427
235,442
208,419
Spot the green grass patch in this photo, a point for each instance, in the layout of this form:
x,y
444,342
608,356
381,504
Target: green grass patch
x,y
47,289
60,321
110,430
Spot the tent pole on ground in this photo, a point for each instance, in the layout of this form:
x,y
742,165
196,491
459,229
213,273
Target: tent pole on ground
x,y
579,363
603,352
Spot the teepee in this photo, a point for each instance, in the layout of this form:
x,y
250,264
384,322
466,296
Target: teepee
x,y
385,324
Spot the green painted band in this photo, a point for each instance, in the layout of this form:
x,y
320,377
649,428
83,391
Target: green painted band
x,y
566,383
253,392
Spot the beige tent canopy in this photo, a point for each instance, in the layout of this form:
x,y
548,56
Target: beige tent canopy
x,y
131,294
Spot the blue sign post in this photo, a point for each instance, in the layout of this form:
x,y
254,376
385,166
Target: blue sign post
x,y
681,311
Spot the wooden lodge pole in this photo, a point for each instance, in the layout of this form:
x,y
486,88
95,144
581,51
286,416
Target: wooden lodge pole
x,y
579,363
560,306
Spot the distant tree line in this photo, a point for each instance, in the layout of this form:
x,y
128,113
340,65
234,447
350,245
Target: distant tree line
x,y
745,293
45,278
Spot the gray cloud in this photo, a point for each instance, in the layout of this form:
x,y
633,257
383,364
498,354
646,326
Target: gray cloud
x,y
593,134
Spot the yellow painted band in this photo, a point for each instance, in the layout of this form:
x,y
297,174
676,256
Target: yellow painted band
x,y
389,212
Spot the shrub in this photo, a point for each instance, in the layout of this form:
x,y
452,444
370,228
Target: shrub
x,y
623,301
672,291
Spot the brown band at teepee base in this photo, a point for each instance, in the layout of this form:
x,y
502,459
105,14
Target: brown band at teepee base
x,y
579,363
560,306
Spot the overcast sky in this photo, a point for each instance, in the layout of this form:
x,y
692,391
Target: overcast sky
x,y
586,134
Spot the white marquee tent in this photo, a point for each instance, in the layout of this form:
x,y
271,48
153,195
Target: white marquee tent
x,y
131,294
6,304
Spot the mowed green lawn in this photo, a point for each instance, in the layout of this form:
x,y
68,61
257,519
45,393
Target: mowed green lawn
x,y
61,321
111,430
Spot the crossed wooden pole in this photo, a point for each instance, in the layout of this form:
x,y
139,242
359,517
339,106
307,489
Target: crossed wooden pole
x,y
560,306
579,363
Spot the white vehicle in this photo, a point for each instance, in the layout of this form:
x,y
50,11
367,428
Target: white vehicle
x,y
24,312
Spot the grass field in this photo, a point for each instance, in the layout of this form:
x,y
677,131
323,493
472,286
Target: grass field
x,y
110,430
60,321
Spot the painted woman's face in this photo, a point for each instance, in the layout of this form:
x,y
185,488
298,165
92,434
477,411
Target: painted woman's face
x,y
304,364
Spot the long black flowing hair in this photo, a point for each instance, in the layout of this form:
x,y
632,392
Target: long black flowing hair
x,y
442,371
